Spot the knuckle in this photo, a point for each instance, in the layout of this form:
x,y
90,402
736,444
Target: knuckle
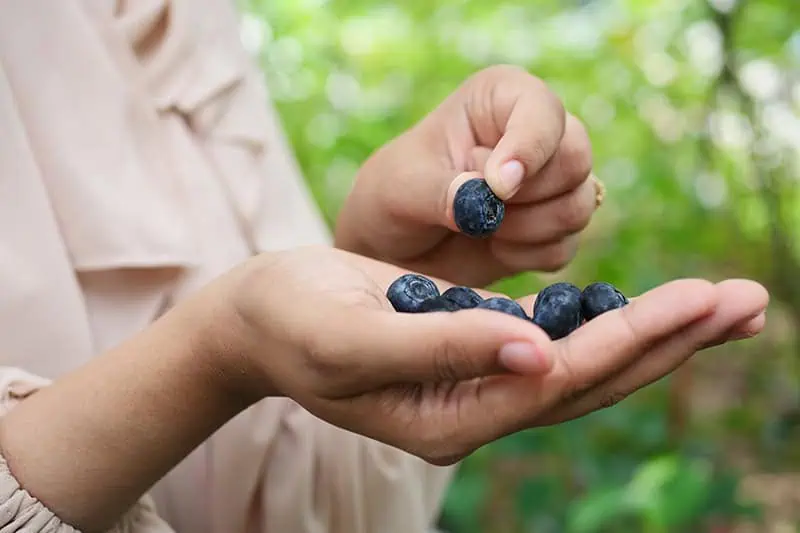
x,y
574,212
525,81
558,256
573,384
576,158
556,104
325,366
631,334
539,153
513,260
575,390
552,102
505,71
450,360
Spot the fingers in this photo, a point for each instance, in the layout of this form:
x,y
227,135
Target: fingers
x,y
547,257
606,345
518,115
558,201
478,157
612,341
600,349
748,328
740,302
363,349
550,220
460,346
568,169
526,132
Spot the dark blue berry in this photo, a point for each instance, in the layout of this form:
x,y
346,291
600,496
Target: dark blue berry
x,y
439,303
601,297
478,212
558,310
407,292
504,305
463,297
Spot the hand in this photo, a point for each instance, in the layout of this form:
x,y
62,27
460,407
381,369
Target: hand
x,y
507,126
314,325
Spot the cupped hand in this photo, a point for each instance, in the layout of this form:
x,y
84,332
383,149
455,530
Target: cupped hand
x,y
505,125
314,325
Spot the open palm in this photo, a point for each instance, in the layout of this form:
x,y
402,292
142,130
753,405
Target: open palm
x,y
434,384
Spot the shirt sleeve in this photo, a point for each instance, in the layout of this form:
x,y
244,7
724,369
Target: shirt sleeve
x,y
20,511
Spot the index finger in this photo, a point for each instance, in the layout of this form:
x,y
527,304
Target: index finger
x,y
615,339
531,120
595,352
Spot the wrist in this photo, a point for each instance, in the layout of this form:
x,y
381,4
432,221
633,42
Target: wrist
x,y
89,445
224,342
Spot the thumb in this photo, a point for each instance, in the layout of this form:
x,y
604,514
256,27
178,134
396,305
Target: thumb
x,y
530,120
390,348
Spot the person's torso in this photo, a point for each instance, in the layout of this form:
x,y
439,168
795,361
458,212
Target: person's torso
x,y
131,174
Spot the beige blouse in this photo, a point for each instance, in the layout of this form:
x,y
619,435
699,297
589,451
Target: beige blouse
x,y
139,158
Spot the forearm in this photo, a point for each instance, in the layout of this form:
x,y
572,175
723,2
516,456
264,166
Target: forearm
x,y
92,443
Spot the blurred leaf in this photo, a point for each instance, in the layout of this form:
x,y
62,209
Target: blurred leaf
x,y
597,510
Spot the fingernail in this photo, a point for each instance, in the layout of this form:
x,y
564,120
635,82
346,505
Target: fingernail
x,y
511,174
524,358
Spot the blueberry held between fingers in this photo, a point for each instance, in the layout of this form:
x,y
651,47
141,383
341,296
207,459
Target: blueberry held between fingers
x,y
407,292
463,297
601,297
478,212
504,305
439,303
558,310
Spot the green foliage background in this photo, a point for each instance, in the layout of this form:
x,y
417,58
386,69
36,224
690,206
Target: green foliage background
x,y
694,113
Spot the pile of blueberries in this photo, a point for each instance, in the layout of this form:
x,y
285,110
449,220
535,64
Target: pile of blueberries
x,y
560,308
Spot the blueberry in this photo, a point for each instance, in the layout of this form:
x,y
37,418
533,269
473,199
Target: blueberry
x,y
407,292
558,310
599,298
504,305
478,212
463,297
438,303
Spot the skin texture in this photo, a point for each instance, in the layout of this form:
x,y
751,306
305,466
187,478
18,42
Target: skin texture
x,y
443,385
92,443
500,118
